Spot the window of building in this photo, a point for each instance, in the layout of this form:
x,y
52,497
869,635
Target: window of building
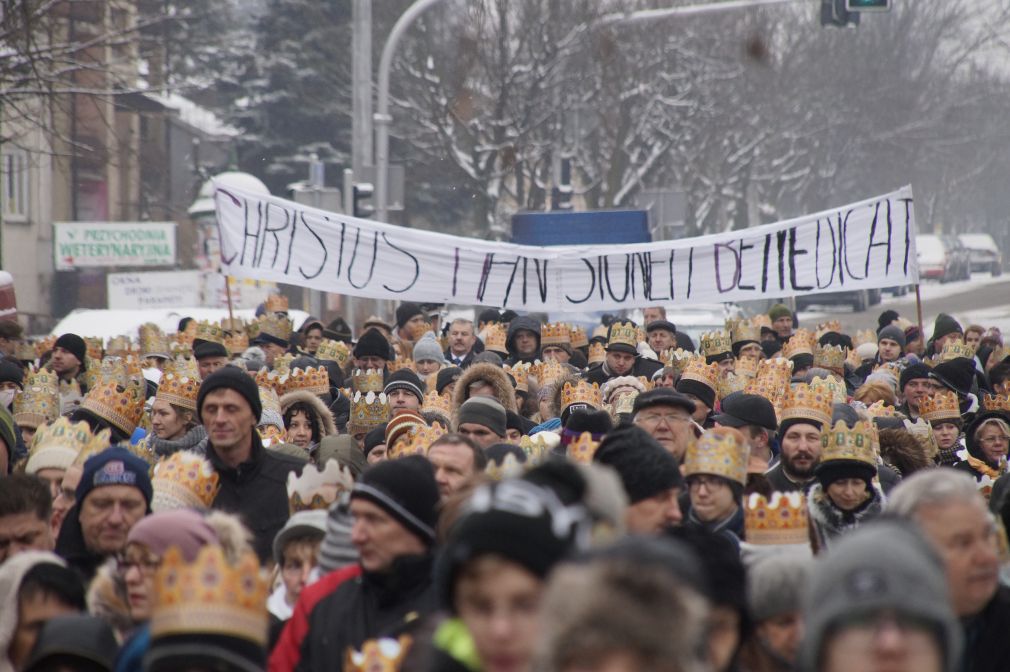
x,y
14,194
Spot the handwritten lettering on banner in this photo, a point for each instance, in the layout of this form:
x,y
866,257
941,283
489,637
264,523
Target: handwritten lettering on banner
x,y
870,244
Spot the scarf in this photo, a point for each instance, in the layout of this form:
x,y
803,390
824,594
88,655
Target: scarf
x,y
188,441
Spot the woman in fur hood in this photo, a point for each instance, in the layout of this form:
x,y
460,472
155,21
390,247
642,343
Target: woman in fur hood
x,y
485,380
307,420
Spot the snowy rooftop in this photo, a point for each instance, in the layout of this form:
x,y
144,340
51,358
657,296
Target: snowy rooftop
x,y
198,117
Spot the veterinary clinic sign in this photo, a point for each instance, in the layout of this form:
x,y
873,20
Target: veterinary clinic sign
x,y
869,244
104,244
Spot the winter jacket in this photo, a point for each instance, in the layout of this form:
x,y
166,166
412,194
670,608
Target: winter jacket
x,y
70,546
522,322
987,647
732,527
829,521
781,483
287,651
257,491
368,607
324,418
599,373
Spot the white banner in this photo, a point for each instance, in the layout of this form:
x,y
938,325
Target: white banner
x,y
95,244
169,289
865,245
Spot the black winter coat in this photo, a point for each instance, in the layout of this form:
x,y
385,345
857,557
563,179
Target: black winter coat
x,y
987,647
368,607
599,373
257,491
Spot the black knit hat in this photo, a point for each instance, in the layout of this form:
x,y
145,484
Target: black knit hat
x,y
913,372
73,344
233,378
597,423
405,312
957,374
646,469
11,372
447,376
405,379
202,349
373,344
703,392
886,318
406,490
945,324
835,470
375,437
801,361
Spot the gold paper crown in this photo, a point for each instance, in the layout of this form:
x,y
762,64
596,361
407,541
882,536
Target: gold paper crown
x,y
437,403
236,343
418,441
316,489
715,343
776,372
25,351
707,374
267,378
39,402
369,380
95,347
581,393
178,349
418,329
577,337
853,444
153,342
941,405
999,354
623,333
996,402
583,448
555,334
183,367
743,330
282,363
831,386
746,366
378,655
879,409
623,405
802,402
679,359
121,346
178,390
122,406
720,452
44,345
397,364
536,449
730,382
800,343
231,325
313,379
270,402
597,353
210,596
333,351
495,338
75,437
782,520
276,303
829,327
548,372
864,336
184,480
510,467
520,373
368,410
270,324
831,357
956,350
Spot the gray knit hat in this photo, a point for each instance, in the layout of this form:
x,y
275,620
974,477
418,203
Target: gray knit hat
x,y
483,411
883,566
337,550
777,582
892,332
428,349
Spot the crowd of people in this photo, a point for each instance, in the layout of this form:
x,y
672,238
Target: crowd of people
x,y
506,495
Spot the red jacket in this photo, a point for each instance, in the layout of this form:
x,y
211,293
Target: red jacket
x,y
287,653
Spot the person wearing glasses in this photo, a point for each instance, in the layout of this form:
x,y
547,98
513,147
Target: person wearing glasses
x,y
987,440
715,468
666,416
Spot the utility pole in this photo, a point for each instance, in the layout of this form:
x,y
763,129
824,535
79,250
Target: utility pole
x,y
361,86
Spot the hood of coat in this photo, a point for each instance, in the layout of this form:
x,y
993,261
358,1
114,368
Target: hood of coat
x,y
496,376
329,425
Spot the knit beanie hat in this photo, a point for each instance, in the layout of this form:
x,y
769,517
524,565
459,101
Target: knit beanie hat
x,y
779,310
912,372
406,312
597,423
115,466
232,378
428,349
800,361
483,411
645,467
852,580
405,379
11,372
375,437
447,376
525,523
892,332
400,424
776,584
373,344
406,490
835,470
73,344
945,324
337,550
185,529
703,392
885,319
301,524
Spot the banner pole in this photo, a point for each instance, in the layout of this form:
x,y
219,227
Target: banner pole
x,y
918,310
231,310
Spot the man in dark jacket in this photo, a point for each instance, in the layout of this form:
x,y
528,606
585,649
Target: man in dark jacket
x,y
253,479
523,341
622,356
394,510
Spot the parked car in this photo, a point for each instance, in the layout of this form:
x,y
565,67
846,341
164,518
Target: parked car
x,y
961,265
859,299
983,252
934,259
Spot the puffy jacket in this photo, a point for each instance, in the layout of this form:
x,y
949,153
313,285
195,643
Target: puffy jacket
x,y
368,607
257,491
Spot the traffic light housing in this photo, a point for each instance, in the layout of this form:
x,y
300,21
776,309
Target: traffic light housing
x,y
561,194
867,5
362,192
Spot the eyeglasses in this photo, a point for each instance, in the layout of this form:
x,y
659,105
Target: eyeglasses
x,y
146,566
709,482
994,440
656,418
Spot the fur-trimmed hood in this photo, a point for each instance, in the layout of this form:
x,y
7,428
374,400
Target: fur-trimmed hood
x,y
503,390
829,521
313,402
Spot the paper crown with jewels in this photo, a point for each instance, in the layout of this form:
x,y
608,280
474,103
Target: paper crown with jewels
x,y
333,351
368,380
58,444
849,444
399,363
782,520
715,343
236,343
557,333
510,467
94,345
437,403
111,369
746,367
121,406
210,596
803,402
940,406
775,373
536,447
282,363
276,303
831,357
520,373
368,411
956,350
231,325
800,343
180,349
25,351
39,402
581,393
719,452
730,382
153,341
831,386
623,333
183,367
864,336
743,330
178,390
495,338
378,655
829,327
879,409
996,402
577,337
44,345
416,442
270,324
314,379
184,480
707,374
678,359
597,353
267,378
317,489
583,448
271,403
548,372
121,346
